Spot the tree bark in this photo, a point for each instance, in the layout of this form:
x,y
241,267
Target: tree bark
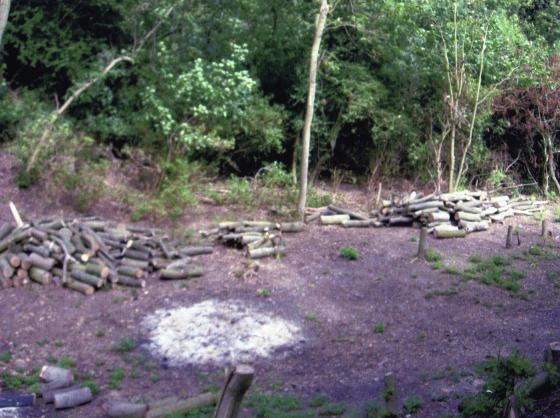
x,y
71,399
422,244
238,381
182,406
121,409
312,85
4,12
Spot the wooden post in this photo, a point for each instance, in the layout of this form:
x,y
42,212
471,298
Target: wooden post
x,y
518,235
238,381
552,354
422,243
509,235
378,198
544,231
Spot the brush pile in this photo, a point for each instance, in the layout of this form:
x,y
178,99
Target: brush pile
x,y
258,238
89,254
446,215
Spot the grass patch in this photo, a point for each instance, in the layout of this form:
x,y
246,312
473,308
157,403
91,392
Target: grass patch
x,y
5,356
311,316
19,381
125,345
349,253
432,256
494,271
379,328
66,362
264,292
452,270
412,404
438,265
91,385
452,291
536,251
115,378
332,410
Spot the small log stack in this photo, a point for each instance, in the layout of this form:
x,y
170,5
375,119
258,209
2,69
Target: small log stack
x,y
448,215
258,239
88,254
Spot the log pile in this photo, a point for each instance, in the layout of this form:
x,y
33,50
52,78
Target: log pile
x,y
446,215
88,254
258,239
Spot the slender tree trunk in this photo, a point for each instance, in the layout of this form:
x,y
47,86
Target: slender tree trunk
x,y
451,186
333,136
4,12
552,164
312,85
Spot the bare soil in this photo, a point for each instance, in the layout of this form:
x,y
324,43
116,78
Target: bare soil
x,y
431,345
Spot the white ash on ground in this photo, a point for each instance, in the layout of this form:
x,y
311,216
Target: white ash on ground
x,y
217,332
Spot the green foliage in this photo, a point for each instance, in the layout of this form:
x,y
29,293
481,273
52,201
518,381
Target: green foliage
x,y
240,192
379,328
19,381
500,375
66,363
275,175
317,200
88,383
412,404
349,253
494,271
115,378
5,356
374,410
432,256
125,345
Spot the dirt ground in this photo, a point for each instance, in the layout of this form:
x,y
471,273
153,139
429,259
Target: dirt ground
x,y
430,344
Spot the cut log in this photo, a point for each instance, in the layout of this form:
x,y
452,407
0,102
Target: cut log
x,y
6,269
86,278
185,273
266,252
130,271
468,208
426,205
42,262
25,263
137,255
144,265
122,409
183,406
130,281
98,270
292,226
48,394
438,217
5,230
353,215
40,276
238,381
357,224
13,260
401,220
474,226
445,231
55,374
466,216
499,217
83,288
16,401
198,250
334,219
71,399
489,211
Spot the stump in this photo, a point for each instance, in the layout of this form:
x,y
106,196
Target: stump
x,y
238,381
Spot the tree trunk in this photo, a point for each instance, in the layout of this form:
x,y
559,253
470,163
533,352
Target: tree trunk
x,y
422,244
552,164
319,28
4,12
238,381
509,236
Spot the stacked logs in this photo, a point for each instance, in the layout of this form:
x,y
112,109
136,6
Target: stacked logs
x,y
446,215
258,239
88,254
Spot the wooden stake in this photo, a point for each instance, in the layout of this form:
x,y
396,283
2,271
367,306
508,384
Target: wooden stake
x,y
16,215
422,244
552,354
238,381
544,231
509,236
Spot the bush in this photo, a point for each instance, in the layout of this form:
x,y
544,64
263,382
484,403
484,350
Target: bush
x,y
350,253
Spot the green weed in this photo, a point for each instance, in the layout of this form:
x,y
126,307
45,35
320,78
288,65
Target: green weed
x,y
5,356
412,404
115,378
349,253
379,328
66,362
88,383
125,345
432,256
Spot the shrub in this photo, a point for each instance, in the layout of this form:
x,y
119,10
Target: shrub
x,y
432,256
412,404
349,253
